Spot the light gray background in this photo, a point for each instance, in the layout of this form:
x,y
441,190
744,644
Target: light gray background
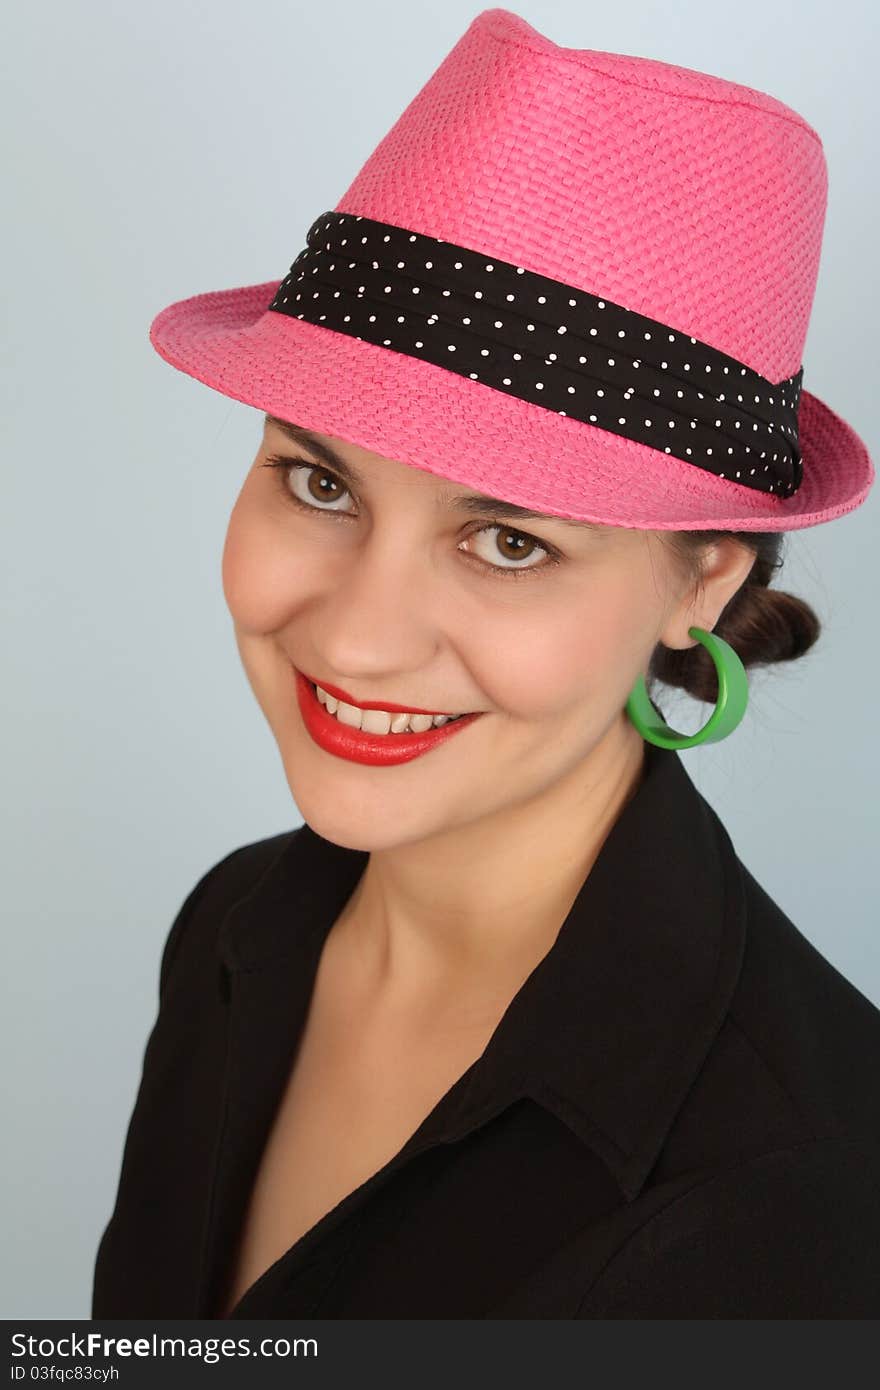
x,y
153,152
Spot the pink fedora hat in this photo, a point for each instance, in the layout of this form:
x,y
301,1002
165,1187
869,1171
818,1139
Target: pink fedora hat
x,y
575,280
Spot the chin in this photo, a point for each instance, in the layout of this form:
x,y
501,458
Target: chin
x,y
350,822
349,833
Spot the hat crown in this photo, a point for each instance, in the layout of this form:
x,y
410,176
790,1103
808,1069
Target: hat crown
x,y
691,199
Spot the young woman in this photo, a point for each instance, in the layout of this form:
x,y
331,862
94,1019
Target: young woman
x,y
505,1028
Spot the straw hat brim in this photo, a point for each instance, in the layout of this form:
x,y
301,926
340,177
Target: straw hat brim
x,y
461,430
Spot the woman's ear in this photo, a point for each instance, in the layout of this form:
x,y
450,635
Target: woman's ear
x,y
726,566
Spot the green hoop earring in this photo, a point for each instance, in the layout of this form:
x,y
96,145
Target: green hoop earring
x,y
733,696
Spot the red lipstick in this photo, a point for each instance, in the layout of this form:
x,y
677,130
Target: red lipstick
x,y
377,750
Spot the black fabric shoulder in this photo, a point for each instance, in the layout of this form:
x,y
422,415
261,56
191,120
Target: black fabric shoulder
x,y
228,880
815,1031
791,1234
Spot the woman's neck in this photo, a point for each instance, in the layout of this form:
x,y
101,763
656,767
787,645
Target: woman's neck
x,y
484,903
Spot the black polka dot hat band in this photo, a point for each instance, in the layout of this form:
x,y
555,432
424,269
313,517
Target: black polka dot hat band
x,y
562,348
573,281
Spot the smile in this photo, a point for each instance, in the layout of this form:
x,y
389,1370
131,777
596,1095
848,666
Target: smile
x,y
381,721
372,735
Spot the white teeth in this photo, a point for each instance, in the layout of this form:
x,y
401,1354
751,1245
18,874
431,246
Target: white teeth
x,y
348,714
379,721
375,721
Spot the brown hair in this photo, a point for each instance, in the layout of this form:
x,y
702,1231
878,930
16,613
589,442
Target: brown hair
x,y
763,625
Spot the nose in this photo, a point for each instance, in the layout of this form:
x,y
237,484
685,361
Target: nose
x,y
381,611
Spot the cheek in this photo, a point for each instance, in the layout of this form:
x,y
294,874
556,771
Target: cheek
x,y
584,646
264,577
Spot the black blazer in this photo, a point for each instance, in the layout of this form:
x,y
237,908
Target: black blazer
x,y
678,1115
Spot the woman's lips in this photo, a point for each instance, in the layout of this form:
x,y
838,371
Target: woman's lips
x,y
377,750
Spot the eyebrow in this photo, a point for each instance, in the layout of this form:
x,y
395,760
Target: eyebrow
x,y
464,501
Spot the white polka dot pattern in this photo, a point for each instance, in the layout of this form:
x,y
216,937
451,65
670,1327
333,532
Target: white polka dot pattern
x,y
559,347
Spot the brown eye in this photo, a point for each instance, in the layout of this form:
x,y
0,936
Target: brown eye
x,y
308,485
323,486
504,550
513,545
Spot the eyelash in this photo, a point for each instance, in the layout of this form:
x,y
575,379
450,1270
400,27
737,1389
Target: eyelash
x,y
283,464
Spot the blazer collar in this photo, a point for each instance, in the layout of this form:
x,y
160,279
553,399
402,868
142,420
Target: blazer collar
x,y
611,1027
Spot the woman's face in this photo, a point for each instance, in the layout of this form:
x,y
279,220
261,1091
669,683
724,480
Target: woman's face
x,y
381,579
